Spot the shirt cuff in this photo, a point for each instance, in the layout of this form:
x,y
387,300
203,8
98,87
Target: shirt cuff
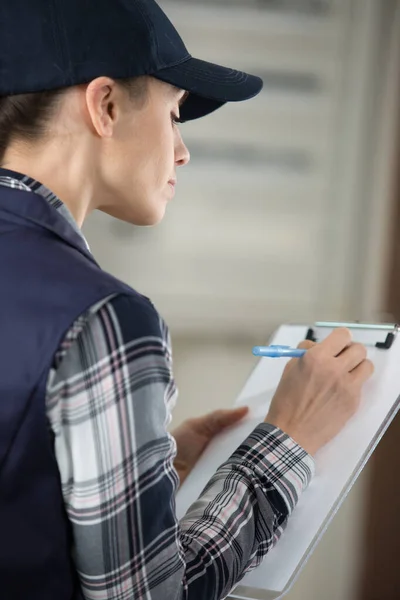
x,y
275,456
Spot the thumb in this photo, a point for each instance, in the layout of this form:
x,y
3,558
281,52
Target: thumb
x,y
219,420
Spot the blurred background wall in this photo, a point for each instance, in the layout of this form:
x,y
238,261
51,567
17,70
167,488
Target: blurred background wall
x,y
285,213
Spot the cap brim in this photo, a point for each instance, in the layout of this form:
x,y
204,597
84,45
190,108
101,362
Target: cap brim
x,y
209,86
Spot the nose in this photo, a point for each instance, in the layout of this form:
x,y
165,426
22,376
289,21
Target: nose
x,y
182,154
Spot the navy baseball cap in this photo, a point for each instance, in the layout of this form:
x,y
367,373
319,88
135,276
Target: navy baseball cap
x,y
51,44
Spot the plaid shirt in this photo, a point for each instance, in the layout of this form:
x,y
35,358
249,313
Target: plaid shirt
x,y
109,400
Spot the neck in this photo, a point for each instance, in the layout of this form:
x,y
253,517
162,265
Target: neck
x,y
65,172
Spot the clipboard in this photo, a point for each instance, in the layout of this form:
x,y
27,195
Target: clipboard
x,y
338,464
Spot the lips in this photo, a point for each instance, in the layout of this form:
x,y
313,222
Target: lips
x,y
172,184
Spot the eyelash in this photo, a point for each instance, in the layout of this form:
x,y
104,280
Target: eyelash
x,y
174,119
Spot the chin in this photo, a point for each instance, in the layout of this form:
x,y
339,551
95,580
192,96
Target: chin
x,y
149,215
148,220
141,218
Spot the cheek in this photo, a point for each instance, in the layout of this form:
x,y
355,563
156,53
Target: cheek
x,y
163,156
148,157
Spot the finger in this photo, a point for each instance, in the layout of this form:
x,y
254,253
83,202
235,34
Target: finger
x,y
218,420
306,344
352,356
225,418
336,341
362,373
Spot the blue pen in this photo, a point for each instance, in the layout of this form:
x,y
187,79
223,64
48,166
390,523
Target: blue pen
x,y
278,351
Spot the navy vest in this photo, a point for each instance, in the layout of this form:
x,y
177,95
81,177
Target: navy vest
x,y
47,279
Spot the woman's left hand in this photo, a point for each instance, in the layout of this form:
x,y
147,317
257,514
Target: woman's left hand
x,y
194,435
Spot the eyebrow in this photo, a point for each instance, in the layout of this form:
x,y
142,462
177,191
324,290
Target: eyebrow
x,y
184,97
175,91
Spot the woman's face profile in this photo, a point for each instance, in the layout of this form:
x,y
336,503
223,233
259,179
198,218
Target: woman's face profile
x,y
140,159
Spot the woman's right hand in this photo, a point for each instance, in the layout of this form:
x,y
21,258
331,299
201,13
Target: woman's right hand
x,y
319,392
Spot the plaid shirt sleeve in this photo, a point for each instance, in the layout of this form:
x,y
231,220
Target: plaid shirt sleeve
x,y
109,399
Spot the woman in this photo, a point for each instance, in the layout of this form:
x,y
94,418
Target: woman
x,y
90,101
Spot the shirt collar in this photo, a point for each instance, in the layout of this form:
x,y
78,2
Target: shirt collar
x,y
15,180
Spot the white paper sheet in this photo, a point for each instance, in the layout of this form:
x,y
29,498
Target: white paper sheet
x,y
337,464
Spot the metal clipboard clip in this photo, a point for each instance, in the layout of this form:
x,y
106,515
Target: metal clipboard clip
x,y
390,329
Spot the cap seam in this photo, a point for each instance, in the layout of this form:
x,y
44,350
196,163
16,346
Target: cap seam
x,y
57,35
175,64
66,55
151,30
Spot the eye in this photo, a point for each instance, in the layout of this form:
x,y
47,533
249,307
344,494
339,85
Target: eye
x,y
175,119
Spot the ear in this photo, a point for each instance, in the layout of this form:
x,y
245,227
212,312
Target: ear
x,y
101,103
